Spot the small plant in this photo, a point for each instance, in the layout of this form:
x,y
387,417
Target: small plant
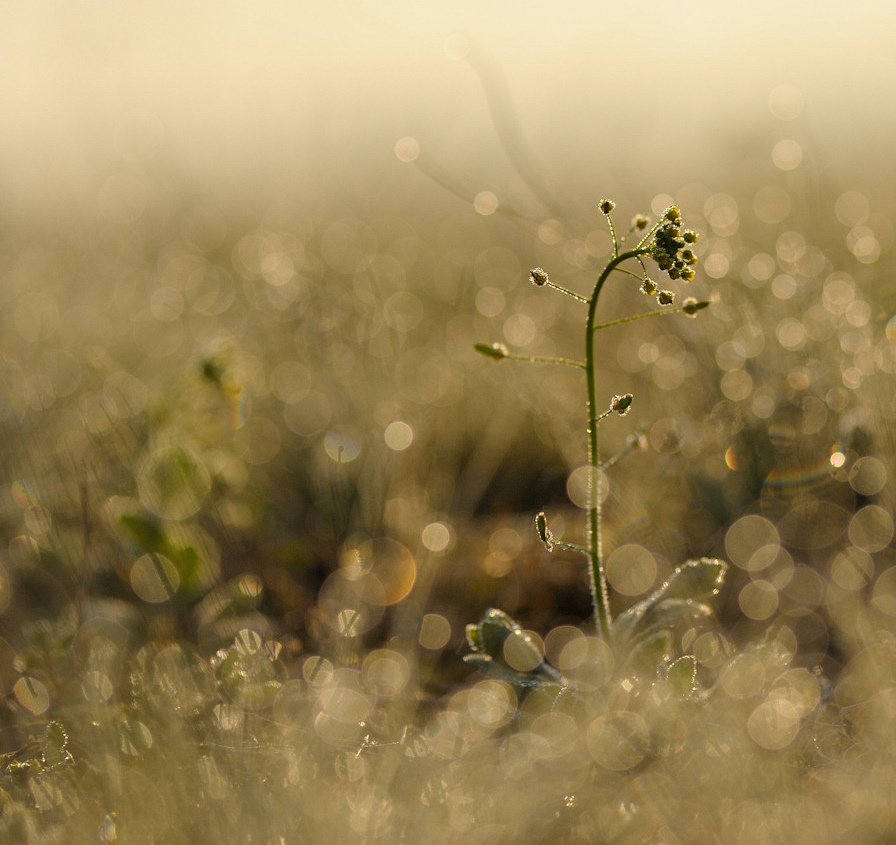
x,y
644,628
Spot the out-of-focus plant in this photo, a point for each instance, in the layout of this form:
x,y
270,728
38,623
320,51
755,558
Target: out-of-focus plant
x,y
642,634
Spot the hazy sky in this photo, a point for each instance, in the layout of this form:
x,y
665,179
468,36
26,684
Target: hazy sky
x,y
254,94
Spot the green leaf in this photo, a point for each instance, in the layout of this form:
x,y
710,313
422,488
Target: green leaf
x,y
682,675
694,580
56,736
493,629
669,613
498,641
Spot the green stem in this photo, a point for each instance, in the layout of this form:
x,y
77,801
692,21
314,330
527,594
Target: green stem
x,y
613,235
597,576
571,547
629,273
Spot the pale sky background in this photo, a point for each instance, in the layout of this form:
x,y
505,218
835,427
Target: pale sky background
x,y
272,97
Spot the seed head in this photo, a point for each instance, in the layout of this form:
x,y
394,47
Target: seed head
x,y
665,297
690,236
606,206
648,286
688,274
621,404
538,276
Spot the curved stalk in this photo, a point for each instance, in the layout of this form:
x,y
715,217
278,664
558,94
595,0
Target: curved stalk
x,y
597,575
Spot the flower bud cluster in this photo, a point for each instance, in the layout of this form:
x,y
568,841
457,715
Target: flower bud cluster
x,y
538,276
670,247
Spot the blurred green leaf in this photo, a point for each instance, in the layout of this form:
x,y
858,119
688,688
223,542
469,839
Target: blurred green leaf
x,y
143,530
651,651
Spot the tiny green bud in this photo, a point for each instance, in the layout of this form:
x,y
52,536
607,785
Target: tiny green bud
x,y
688,275
673,214
606,206
640,221
665,297
492,350
621,404
687,255
648,286
690,236
538,276
691,306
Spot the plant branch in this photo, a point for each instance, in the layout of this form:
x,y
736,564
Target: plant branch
x,y
575,296
634,317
